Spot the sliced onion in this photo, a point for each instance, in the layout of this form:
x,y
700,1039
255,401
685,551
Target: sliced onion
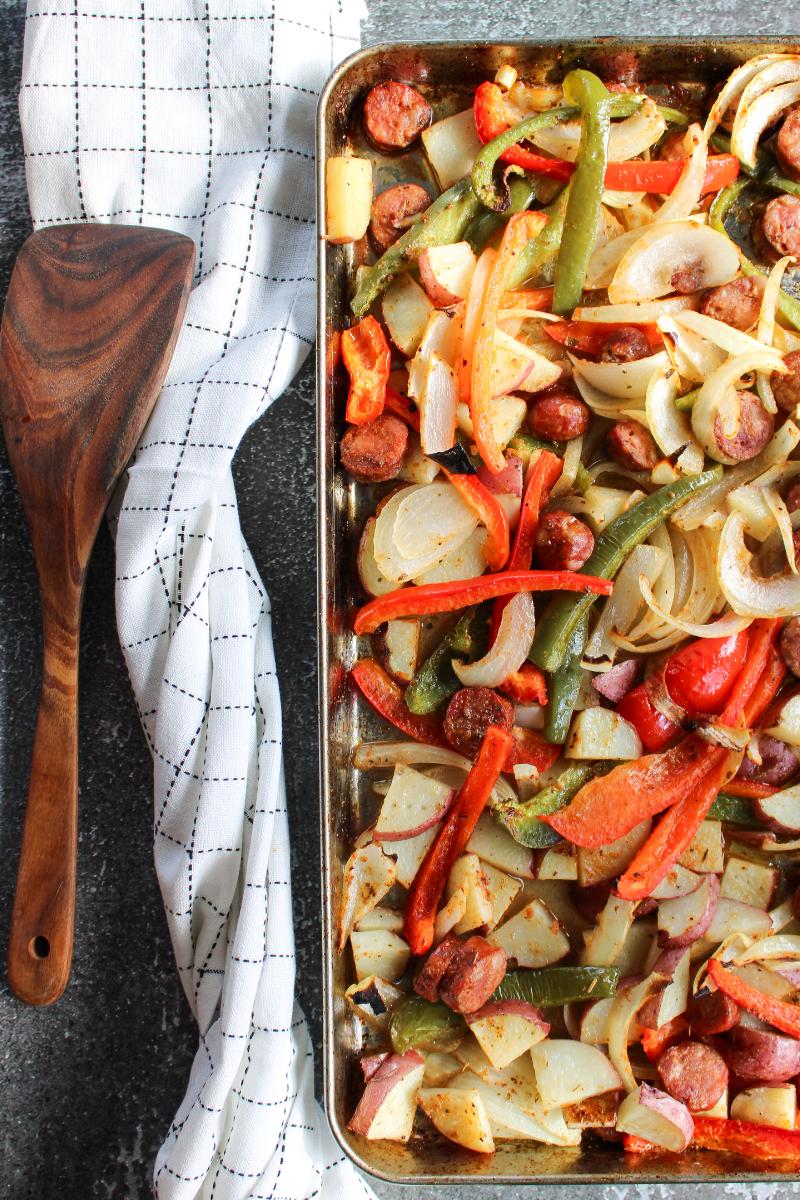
x,y
441,335
569,469
431,525
766,325
787,70
622,199
624,380
626,139
724,627
776,945
647,268
437,407
637,314
748,593
529,716
623,605
780,513
718,400
751,122
509,649
731,340
687,191
664,588
402,835
734,86
625,1007
369,756
692,356
692,514
466,561
655,685
669,426
599,402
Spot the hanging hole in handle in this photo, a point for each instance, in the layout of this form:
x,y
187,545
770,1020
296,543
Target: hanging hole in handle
x,y
39,947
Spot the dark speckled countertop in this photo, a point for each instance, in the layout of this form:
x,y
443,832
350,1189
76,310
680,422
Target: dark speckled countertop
x,y
89,1087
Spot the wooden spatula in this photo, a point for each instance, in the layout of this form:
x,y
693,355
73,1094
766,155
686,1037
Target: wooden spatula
x,y
90,323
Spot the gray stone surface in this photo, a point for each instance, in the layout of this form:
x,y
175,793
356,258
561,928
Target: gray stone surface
x,y
89,1087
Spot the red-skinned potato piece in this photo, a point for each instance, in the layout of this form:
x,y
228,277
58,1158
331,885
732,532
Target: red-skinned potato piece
x,y
780,812
760,1056
445,272
656,1117
684,919
386,1109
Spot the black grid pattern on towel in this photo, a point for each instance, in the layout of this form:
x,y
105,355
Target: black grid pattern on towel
x,y
198,116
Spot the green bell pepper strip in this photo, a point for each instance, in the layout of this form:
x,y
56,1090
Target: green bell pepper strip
x,y
436,681
562,691
425,1026
684,403
523,445
549,987
788,306
523,820
444,222
738,810
585,189
537,260
612,547
721,141
522,192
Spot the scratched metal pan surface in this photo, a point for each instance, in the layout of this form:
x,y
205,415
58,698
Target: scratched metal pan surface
x,y
447,73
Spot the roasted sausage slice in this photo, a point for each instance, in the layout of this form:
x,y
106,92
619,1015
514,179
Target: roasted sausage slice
x,y
790,645
736,303
778,763
793,496
780,224
786,388
755,429
558,415
625,344
563,542
787,145
694,1074
470,713
474,972
712,1012
688,277
391,208
430,974
374,452
395,114
632,446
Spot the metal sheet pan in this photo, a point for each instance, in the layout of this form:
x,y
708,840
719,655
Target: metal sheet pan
x,y
448,72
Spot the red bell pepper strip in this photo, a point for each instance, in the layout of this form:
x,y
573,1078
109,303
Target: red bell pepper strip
x,y
531,299
366,354
454,833
655,730
387,699
656,1041
780,1013
758,675
531,749
749,1139
589,337
528,685
490,513
449,597
491,119
521,229
751,789
400,406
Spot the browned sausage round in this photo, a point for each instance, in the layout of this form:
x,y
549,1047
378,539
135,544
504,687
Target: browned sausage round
x,y
558,415
474,972
688,277
787,145
673,148
632,446
755,429
792,499
712,1012
395,114
780,224
374,452
625,344
736,303
778,763
790,645
391,208
786,388
429,975
470,713
563,542
694,1074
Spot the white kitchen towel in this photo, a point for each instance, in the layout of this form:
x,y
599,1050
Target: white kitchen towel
x,y
198,116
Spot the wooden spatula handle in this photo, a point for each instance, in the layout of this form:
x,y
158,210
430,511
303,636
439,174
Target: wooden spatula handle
x,y
42,923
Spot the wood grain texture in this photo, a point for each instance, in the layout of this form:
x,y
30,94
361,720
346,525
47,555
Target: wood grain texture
x,y
90,323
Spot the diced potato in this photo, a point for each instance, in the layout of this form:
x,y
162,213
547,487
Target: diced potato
x,y
720,1109
657,1117
674,1000
603,944
600,733
556,894
764,980
417,468
731,916
533,937
459,1115
559,862
412,800
388,1103
494,844
400,645
406,309
752,883
568,1071
677,882
440,1068
636,948
775,1105
504,1036
381,918
503,890
596,1112
467,877
607,862
451,146
594,1023
446,272
508,413
706,851
380,952
449,915
368,875
348,198
509,1120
